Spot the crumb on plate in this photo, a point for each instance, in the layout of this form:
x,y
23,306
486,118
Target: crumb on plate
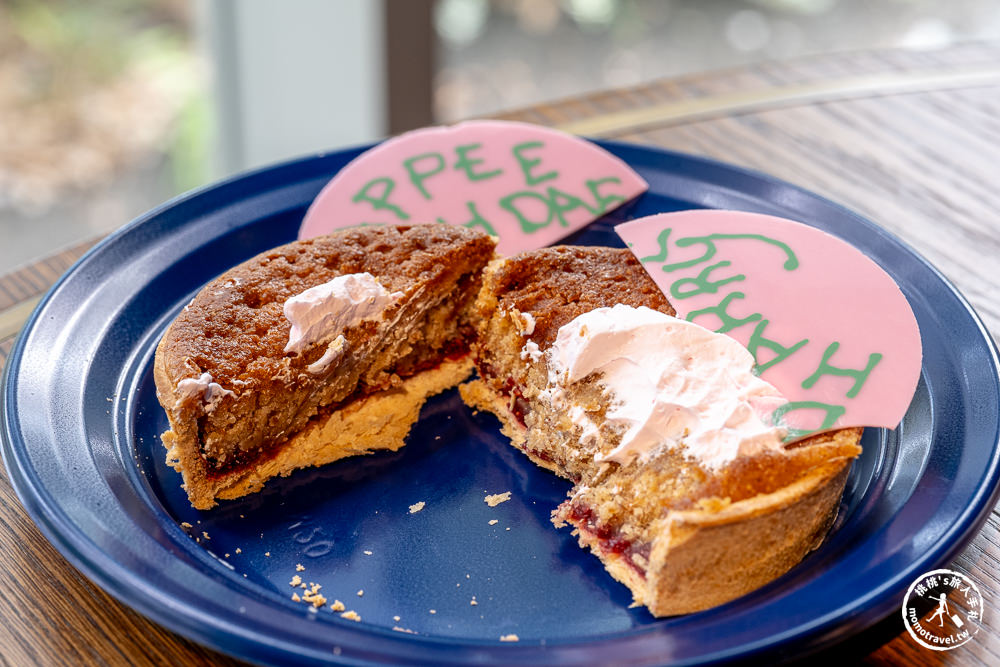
x,y
497,498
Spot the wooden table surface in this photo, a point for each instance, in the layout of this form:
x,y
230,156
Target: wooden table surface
x,y
910,140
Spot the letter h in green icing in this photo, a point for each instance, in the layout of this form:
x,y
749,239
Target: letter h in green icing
x,y
826,368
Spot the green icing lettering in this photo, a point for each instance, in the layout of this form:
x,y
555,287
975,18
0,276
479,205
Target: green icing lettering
x,y
709,240
701,284
661,240
757,341
418,177
478,220
825,368
604,202
527,226
380,202
833,413
728,321
527,164
561,203
468,164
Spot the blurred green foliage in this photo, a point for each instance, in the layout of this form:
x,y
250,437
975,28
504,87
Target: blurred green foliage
x,y
64,50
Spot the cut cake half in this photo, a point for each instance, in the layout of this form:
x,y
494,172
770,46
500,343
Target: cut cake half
x,y
683,536
250,396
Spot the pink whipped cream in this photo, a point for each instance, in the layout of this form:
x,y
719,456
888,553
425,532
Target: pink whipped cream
x,y
323,312
671,383
202,389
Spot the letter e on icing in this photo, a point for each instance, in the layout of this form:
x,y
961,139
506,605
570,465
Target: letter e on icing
x,y
526,184
827,326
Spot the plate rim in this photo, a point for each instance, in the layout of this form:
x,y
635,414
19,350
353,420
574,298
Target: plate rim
x,y
58,528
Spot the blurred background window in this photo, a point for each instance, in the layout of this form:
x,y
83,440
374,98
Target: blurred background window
x,y
110,107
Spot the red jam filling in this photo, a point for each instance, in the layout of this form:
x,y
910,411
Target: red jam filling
x,y
517,404
609,539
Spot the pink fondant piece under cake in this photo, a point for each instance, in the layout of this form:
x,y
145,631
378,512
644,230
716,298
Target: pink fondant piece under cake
x,y
828,327
526,184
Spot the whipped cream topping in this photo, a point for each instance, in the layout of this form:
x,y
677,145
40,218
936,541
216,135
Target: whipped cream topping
x,y
670,382
527,324
531,351
324,311
202,389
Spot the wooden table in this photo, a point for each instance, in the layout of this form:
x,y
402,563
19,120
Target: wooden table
x,y
909,139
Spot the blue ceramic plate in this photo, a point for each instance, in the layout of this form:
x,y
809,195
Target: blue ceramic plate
x,y
80,441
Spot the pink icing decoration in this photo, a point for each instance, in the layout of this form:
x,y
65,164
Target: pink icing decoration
x,y
529,185
814,288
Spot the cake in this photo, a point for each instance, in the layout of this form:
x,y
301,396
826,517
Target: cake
x,y
327,348
314,351
684,528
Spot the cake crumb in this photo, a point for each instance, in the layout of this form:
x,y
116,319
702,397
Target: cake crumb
x,y
510,638
416,507
406,630
433,611
527,323
494,522
295,596
205,535
296,580
299,567
361,592
267,554
396,618
313,596
497,498
368,552
238,550
337,606
351,615
531,351
186,526
473,602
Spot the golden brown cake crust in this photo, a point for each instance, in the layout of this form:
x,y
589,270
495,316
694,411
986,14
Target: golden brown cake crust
x,y
236,321
555,285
